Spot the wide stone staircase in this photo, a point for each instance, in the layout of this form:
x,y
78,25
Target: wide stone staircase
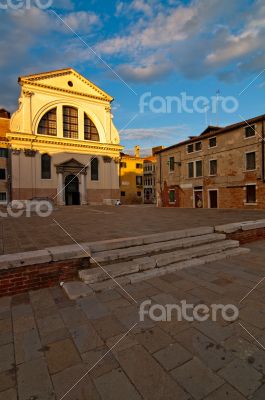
x,y
126,261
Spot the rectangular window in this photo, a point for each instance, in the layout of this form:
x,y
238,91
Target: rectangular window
x,y
171,164
123,165
190,170
172,196
139,194
213,167
139,180
250,131
139,166
2,174
122,194
198,168
70,122
198,146
2,197
251,193
212,142
250,161
190,148
3,153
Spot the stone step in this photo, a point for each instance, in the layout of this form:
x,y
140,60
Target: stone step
x,y
155,272
122,243
102,273
153,248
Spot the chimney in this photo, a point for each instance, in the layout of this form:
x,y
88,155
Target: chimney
x,y
137,151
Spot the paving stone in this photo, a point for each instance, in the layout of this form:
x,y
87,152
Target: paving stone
x,y
197,379
253,316
6,357
225,392
172,356
63,381
149,378
22,310
116,386
50,324
55,336
153,339
7,380
86,338
215,331
5,303
173,328
61,355
108,326
92,308
120,342
27,346
73,316
24,324
76,289
259,394
41,299
99,361
10,394
34,381
242,376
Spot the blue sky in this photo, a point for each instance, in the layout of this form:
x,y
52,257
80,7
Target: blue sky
x,y
163,48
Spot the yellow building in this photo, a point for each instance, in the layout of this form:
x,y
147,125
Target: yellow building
x,y
131,178
4,159
63,143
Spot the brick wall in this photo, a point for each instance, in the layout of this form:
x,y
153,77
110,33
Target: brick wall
x,y
247,236
22,279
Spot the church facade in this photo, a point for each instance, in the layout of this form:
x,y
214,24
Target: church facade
x,y
62,142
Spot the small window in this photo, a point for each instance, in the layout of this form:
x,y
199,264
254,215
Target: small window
x,y
139,180
212,142
94,169
123,165
139,166
198,168
251,193
45,166
250,161
213,167
139,194
171,163
3,153
3,197
190,170
2,174
123,194
250,131
190,148
172,196
198,146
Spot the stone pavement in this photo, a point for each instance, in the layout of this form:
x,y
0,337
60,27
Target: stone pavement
x,y
91,223
47,342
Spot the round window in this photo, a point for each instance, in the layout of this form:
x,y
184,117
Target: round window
x,y
70,83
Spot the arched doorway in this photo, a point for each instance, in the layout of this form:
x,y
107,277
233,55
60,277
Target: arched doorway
x,y
72,194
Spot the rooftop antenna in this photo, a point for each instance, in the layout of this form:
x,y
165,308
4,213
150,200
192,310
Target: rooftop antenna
x,y
217,101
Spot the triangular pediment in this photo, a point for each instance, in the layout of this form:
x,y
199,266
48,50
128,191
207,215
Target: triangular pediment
x,y
66,80
72,163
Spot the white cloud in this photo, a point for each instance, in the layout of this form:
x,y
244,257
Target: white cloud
x,y
82,21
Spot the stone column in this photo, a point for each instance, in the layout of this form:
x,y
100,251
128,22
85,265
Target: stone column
x,y
60,190
83,199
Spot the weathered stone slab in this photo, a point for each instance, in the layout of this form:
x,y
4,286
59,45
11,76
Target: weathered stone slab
x,y
172,356
110,284
23,259
76,289
69,252
61,355
228,228
253,225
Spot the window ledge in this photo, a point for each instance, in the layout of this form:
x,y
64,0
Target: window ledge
x,y
250,204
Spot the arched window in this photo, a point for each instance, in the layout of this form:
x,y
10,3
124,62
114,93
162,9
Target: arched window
x,y
94,169
90,130
45,166
48,123
70,122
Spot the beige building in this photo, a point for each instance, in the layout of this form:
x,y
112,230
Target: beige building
x,y
63,143
220,168
131,178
